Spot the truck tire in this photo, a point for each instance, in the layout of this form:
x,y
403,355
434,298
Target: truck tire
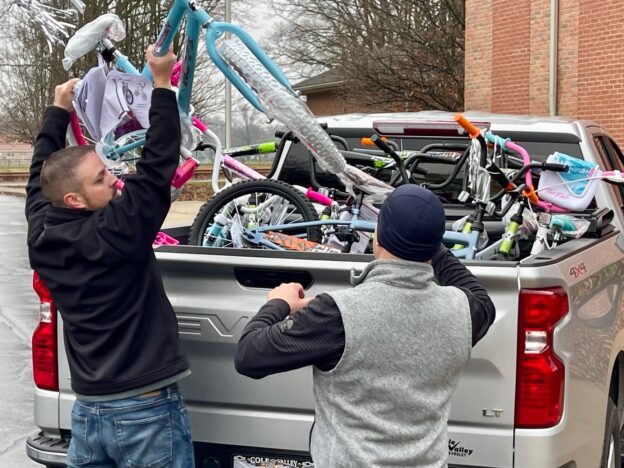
x,y
611,444
302,209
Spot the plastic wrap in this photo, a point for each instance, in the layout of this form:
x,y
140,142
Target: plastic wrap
x,y
570,226
529,222
352,176
87,38
280,104
572,190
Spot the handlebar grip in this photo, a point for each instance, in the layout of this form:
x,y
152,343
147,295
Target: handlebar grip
x,y
555,167
529,192
369,142
473,131
380,142
317,197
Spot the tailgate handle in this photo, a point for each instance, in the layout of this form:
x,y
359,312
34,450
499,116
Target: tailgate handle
x,y
265,278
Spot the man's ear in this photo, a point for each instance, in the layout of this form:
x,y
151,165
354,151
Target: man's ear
x,y
74,201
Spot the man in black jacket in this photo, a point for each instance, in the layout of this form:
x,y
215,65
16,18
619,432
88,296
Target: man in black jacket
x,y
93,249
387,352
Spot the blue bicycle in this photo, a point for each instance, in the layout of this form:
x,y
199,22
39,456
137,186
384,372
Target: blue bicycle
x,y
240,59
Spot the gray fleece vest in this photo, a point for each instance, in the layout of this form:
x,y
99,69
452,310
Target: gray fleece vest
x,y
386,403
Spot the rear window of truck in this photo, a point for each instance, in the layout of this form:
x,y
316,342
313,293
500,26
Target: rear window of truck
x,y
298,163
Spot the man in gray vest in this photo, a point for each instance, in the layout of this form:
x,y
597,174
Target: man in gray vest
x,y
387,352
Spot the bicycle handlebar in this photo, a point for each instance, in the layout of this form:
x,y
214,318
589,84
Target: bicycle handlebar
x,y
382,145
369,142
527,190
555,167
473,131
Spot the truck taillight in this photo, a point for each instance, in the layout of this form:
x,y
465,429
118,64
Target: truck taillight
x,y
540,373
44,347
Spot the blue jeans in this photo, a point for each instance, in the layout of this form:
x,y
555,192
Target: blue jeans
x,y
137,432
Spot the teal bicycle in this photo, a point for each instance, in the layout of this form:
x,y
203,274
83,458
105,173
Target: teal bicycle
x,y
242,62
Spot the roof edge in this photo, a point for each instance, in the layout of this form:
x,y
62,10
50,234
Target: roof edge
x,y
319,87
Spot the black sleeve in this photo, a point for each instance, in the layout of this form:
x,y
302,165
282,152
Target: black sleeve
x,y
50,139
451,272
130,222
274,341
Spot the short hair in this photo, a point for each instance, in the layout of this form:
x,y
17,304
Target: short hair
x,y
58,174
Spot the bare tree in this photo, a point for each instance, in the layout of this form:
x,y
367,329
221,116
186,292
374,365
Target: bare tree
x,y
31,70
406,54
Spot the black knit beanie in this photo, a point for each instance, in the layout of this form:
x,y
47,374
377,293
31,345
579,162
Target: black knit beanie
x,y
411,223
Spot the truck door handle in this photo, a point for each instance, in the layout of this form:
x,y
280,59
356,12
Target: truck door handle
x,y
265,278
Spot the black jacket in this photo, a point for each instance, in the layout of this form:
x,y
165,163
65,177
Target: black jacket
x,y
120,329
273,341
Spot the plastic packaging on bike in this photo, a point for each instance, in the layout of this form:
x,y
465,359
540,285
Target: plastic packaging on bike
x,y
572,190
87,38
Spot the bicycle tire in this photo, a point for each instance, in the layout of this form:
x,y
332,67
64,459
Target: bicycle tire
x,y
206,215
281,104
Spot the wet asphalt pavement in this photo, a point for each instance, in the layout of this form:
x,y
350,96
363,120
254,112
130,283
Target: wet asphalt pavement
x,y
18,317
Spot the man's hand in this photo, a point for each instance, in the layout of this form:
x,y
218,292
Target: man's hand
x,y
293,294
64,93
161,67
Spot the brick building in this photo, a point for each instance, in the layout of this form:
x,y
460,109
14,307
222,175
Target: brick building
x,y
326,94
508,57
508,62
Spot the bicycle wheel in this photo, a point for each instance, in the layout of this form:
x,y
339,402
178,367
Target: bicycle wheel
x,y
252,203
126,163
281,104
77,134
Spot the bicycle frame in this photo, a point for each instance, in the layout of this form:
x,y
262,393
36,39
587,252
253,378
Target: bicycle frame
x,y
257,235
198,18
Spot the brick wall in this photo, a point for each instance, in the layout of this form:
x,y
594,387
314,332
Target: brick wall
x,y
510,56
601,64
326,103
478,63
333,102
507,59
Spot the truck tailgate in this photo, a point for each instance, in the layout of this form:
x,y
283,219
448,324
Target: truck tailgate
x,y
482,409
590,272
215,292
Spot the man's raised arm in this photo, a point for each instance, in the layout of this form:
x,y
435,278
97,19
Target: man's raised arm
x,y
51,138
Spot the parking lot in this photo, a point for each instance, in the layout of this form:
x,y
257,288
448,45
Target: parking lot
x,y
18,317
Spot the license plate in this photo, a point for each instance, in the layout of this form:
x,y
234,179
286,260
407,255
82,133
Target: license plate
x,y
267,461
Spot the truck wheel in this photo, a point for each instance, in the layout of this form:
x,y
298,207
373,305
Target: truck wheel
x,y
252,202
611,444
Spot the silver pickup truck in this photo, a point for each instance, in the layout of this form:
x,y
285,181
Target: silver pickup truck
x,y
544,388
